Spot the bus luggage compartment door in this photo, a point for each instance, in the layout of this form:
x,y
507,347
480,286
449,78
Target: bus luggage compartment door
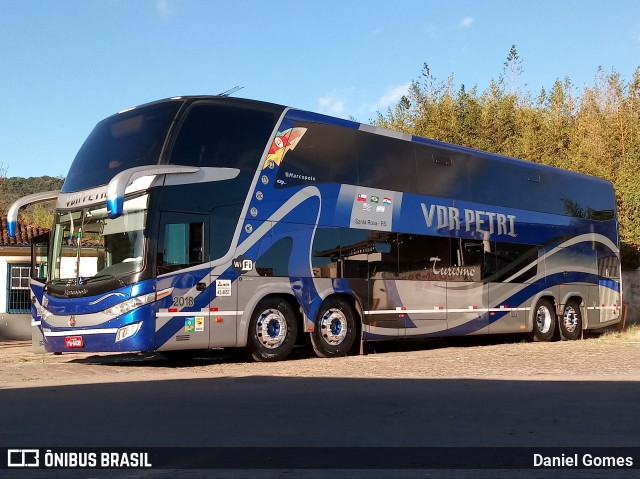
x,y
467,308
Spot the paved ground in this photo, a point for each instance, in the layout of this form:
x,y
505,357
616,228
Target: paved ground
x,y
599,358
476,393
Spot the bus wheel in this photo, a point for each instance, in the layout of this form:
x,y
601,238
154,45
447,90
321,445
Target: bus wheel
x,y
272,330
545,321
571,322
335,329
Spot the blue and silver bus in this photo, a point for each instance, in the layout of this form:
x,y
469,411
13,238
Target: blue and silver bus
x,y
215,222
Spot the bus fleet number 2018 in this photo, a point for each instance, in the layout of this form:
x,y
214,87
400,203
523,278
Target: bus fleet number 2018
x,y
181,301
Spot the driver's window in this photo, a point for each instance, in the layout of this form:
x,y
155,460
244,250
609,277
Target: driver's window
x,y
183,246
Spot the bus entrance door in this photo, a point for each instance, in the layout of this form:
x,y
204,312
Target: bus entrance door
x,y
223,311
182,247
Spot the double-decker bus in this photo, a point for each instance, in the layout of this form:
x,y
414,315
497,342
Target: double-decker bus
x,y
213,222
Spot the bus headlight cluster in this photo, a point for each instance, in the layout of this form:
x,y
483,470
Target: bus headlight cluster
x,y
43,312
127,331
130,304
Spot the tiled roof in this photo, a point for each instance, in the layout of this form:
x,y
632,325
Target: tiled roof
x,y
24,234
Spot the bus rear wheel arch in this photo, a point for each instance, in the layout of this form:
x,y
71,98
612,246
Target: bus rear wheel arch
x,y
335,329
571,320
273,330
545,320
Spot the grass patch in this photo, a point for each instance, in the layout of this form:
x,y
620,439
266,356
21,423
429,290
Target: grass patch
x,y
630,334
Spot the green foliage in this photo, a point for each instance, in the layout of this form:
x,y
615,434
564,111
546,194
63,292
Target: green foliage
x,y
596,131
13,188
630,257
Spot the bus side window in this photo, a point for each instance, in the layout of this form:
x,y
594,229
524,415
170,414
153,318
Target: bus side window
x,y
386,163
325,258
418,252
213,135
512,258
474,256
183,246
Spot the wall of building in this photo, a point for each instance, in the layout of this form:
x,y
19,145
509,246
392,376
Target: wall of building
x,y
631,295
15,326
4,262
12,326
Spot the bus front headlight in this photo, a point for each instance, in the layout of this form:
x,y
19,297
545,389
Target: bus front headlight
x,y
135,302
130,304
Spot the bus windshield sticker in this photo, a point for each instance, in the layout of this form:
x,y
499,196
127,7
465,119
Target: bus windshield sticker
x,y
283,142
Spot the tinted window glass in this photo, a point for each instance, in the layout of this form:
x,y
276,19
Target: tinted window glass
x,y
582,198
223,136
223,226
183,246
355,246
386,163
424,255
126,140
383,255
326,253
521,185
512,258
468,260
504,183
275,261
324,154
441,173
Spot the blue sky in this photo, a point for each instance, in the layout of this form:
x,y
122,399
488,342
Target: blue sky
x,y
67,64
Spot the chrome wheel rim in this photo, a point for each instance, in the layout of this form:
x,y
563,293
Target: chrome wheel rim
x,y
271,328
570,319
333,326
543,319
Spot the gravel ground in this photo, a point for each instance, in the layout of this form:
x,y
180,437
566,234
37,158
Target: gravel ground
x,y
610,357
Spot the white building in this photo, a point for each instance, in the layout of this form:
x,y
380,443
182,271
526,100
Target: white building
x,y
15,266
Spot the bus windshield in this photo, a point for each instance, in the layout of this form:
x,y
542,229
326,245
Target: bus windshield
x,y
126,140
89,246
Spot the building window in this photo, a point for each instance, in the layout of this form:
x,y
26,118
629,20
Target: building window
x,y
18,288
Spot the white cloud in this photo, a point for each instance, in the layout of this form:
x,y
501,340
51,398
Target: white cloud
x,y
391,97
331,104
466,22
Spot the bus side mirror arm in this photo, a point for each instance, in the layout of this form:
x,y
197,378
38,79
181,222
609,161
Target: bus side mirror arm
x,y
14,209
117,187
118,184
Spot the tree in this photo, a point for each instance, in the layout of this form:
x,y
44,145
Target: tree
x,y
595,131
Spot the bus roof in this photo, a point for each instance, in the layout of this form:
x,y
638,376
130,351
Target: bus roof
x,y
310,116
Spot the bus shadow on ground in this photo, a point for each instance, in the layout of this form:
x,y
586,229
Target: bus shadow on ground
x,y
194,358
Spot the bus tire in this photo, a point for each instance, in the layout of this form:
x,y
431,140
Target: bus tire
x,y
272,330
571,321
545,321
335,329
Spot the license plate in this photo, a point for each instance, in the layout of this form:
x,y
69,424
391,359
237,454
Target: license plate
x,y
73,342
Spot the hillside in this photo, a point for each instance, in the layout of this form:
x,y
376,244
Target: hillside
x,y
13,188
